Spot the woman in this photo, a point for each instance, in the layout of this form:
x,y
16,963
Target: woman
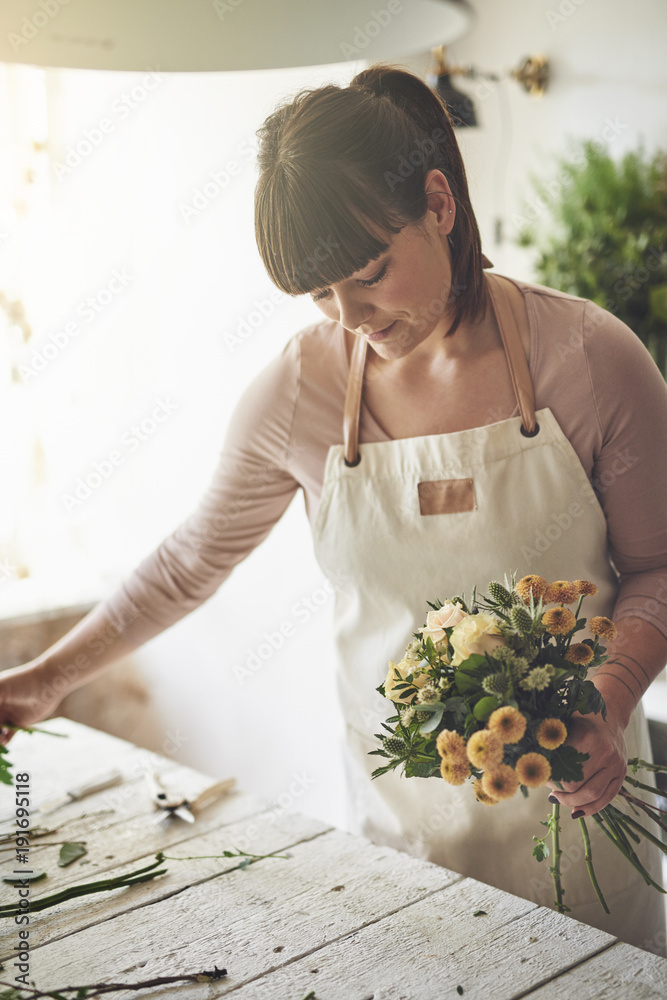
x,y
362,202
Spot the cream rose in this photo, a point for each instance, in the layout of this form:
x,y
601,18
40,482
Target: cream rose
x,y
475,634
437,621
398,672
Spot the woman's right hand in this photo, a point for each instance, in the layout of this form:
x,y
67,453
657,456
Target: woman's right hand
x,y
26,697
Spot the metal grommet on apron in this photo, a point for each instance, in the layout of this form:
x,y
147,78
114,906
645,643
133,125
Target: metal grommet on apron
x,y
428,517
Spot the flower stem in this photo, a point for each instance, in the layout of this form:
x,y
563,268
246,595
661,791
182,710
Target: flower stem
x,y
641,784
623,818
646,765
628,854
131,878
588,854
555,868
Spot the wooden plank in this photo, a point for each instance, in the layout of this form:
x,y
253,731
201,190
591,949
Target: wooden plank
x,y
621,972
249,921
56,764
117,825
429,949
120,822
262,833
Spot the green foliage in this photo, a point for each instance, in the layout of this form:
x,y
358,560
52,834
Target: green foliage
x,y
69,852
5,764
567,764
601,232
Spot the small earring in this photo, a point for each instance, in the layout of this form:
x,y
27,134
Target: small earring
x,y
450,211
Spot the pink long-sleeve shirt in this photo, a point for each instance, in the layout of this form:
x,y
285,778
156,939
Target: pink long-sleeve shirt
x,y
588,367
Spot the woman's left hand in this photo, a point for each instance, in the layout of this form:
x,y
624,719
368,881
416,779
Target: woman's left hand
x,y
605,769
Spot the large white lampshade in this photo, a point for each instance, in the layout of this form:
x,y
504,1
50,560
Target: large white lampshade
x,y
190,35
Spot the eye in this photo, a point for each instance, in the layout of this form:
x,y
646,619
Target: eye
x,y
377,279
365,284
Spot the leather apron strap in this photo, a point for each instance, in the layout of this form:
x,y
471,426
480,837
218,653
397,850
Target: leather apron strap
x,y
509,307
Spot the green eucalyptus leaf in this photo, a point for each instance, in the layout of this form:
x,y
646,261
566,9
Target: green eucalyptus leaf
x,y
69,852
484,707
16,879
434,721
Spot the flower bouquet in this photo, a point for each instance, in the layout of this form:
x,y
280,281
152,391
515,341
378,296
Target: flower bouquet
x,y
487,694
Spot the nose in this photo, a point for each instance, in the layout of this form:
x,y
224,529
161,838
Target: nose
x,y
353,310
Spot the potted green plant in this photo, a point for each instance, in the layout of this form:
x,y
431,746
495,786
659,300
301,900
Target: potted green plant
x,y
600,231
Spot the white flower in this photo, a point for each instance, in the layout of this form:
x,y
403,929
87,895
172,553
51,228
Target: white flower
x,y
437,621
475,634
399,672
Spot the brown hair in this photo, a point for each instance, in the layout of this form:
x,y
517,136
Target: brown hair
x,y
341,168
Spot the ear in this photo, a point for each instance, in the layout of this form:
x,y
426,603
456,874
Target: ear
x,y
440,200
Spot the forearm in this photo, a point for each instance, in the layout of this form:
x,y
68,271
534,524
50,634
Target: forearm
x,y
636,657
96,642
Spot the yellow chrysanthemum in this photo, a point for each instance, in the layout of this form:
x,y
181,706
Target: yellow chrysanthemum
x,y
579,652
453,772
481,795
531,584
558,621
585,587
533,770
451,746
500,783
561,591
508,723
485,749
604,627
551,733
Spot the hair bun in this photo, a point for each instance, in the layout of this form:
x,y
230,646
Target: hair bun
x,y
389,81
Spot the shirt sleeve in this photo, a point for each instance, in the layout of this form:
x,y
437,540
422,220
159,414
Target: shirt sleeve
x,y
251,488
630,467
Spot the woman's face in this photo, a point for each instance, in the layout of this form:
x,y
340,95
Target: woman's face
x,y
406,292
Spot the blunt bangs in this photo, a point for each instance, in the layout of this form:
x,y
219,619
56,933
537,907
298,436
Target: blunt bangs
x,y
313,233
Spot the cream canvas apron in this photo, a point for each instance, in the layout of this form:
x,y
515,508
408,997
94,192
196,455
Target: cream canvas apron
x,y
396,528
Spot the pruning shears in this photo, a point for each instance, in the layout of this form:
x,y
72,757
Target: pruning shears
x,y
171,804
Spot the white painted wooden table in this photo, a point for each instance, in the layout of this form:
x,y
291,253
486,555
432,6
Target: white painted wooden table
x,y
340,919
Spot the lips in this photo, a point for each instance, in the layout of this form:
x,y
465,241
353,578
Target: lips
x,y
380,334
